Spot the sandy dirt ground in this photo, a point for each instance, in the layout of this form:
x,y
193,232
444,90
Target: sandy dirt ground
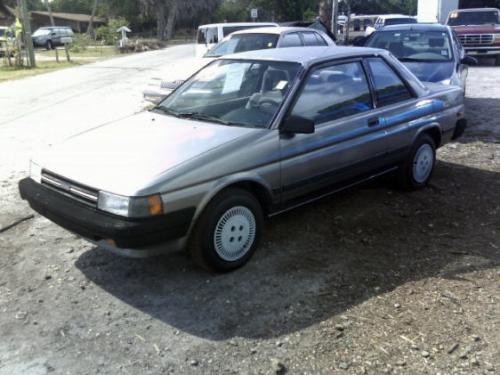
x,y
372,280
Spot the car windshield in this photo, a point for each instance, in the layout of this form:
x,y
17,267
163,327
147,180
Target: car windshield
x,y
474,18
41,32
399,21
408,45
233,92
242,43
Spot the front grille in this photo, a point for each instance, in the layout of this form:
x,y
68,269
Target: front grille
x,y
474,40
70,188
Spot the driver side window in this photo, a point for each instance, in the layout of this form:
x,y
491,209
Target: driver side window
x,y
334,92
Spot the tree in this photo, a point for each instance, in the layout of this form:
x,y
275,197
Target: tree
x,y
90,29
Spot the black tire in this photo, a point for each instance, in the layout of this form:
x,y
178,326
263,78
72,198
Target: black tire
x,y
497,60
407,176
202,244
49,45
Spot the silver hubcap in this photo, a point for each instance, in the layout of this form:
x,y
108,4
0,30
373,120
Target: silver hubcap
x,y
423,163
235,233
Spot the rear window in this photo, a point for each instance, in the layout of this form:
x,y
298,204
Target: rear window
x,y
473,18
399,21
208,35
243,43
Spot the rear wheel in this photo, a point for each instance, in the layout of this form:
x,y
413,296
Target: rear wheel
x,y
227,233
417,170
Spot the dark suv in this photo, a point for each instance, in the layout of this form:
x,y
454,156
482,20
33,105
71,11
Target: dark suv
x,y
478,30
50,37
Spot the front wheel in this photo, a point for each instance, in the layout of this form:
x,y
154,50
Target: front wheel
x,y
417,170
227,233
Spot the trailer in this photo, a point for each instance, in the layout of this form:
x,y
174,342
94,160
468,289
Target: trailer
x,y
435,11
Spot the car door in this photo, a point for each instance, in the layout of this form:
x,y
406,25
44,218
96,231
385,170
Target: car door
x,y
361,111
337,98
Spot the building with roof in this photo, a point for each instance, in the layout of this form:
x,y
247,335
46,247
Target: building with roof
x,y
78,22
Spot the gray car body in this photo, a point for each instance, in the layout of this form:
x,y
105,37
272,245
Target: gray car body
x,y
190,162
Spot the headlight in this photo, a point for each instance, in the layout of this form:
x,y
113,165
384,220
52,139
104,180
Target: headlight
x,y
35,172
497,37
130,206
446,82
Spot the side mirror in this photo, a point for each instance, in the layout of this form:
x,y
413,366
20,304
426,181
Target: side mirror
x,y
297,125
469,60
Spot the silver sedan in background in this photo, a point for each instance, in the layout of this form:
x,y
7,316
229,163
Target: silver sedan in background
x,y
249,136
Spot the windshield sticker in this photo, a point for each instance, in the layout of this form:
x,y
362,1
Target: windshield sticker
x,y
281,85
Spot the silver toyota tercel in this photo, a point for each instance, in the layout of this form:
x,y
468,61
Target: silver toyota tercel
x,y
248,136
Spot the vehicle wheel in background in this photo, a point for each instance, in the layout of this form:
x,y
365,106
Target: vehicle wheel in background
x,y
227,232
49,45
417,170
498,60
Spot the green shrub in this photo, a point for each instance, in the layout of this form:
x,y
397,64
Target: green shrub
x,y
108,34
80,43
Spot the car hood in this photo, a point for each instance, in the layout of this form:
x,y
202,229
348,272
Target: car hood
x,y
431,71
475,29
128,156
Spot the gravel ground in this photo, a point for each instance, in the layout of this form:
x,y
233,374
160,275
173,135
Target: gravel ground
x,y
371,280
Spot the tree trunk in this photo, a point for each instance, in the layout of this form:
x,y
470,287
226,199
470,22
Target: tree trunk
x,y
90,29
172,17
160,21
49,9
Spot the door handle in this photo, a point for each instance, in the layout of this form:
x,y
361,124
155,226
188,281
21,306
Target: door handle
x,y
373,121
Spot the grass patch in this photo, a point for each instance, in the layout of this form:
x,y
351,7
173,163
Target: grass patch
x,y
8,73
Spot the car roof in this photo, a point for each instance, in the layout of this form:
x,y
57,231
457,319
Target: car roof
x,y
306,56
416,27
475,10
389,16
237,24
273,30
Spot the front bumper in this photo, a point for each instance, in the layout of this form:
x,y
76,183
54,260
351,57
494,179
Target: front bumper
x,y
493,50
101,227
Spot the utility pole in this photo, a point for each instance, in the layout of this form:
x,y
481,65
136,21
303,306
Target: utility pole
x,y
28,42
49,9
335,16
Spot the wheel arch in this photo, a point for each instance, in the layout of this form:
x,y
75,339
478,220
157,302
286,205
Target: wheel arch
x,y
434,130
254,184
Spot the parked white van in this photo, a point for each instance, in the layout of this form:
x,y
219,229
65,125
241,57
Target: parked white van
x,y
209,35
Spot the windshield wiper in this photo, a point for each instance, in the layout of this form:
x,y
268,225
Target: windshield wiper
x,y
166,111
409,59
204,117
